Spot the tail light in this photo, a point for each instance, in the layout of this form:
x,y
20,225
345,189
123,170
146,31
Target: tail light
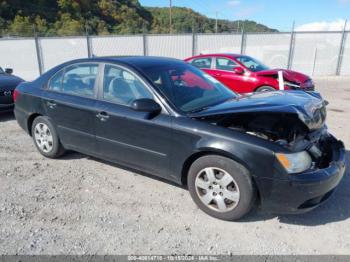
x,y
15,95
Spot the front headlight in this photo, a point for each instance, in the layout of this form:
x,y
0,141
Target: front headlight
x,y
296,162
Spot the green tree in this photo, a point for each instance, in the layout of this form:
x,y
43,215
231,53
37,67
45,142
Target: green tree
x,y
41,26
21,26
66,25
71,17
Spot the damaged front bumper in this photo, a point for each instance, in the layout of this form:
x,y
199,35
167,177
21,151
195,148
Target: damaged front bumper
x,y
302,192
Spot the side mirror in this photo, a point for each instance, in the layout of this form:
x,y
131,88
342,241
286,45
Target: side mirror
x,y
146,105
238,70
9,71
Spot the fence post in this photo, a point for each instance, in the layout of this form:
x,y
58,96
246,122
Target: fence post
x,y
291,48
144,40
314,64
89,47
194,43
243,42
341,50
38,54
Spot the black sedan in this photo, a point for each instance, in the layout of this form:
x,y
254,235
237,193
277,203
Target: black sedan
x,y
169,119
8,83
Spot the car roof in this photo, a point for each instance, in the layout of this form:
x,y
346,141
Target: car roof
x,y
141,62
229,55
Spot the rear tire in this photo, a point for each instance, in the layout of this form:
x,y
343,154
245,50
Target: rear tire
x,y
221,187
45,138
265,89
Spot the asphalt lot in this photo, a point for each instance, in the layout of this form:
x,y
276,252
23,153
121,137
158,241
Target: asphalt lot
x,y
81,205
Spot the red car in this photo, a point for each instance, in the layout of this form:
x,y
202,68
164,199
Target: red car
x,y
243,73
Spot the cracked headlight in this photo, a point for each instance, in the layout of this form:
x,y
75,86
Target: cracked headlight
x,y
296,162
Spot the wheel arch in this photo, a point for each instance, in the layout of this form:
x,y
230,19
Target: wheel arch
x,y
265,85
30,122
205,152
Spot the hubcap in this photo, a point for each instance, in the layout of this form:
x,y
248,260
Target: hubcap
x,y
217,189
43,137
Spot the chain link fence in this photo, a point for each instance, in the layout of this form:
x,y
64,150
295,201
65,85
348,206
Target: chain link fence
x,y
313,53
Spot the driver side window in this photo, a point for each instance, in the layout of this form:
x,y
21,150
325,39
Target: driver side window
x,y
225,64
122,87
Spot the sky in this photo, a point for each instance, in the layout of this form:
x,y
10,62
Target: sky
x,y
279,14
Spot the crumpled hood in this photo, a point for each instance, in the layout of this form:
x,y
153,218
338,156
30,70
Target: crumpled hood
x,y
308,106
288,75
9,82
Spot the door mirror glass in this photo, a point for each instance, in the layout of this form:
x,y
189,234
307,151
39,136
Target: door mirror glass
x,y
9,71
146,105
238,70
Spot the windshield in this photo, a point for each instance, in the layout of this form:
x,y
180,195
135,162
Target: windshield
x,y
1,71
251,63
188,88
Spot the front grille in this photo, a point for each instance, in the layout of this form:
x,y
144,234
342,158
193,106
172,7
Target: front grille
x,y
6,97
6,93
320,149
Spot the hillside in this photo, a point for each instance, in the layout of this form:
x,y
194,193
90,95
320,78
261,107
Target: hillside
x,y
76,17
185,19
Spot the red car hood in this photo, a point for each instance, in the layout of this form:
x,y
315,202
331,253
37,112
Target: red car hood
x,y
288,75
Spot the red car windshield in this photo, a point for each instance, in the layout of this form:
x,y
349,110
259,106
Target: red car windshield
x,y
251,63
188,88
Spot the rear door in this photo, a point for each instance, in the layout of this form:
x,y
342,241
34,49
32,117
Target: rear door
x,y
70,102
127,136
204,63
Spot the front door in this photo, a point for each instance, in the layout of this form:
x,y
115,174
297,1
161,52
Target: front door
x,y
127,136
224,72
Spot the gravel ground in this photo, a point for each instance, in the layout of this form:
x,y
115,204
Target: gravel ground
x,y
81,205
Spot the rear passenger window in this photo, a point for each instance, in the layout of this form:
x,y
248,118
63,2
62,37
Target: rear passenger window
x,y
122,87
202,62
80,79
76,79
55,83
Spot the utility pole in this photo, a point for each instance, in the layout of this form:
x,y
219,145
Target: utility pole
x,y
216,22
291,47
170,17
341,49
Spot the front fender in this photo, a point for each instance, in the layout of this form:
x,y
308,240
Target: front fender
x,y
195,138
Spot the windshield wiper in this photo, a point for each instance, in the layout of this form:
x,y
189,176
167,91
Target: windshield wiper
x,y
198,110
206,107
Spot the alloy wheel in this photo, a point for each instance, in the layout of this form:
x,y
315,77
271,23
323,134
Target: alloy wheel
x,y
43,137
217,189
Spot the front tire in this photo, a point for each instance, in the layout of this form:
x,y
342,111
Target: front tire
x,y
45,138
221,187
265,89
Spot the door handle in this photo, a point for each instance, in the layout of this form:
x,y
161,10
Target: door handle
x,y
51,104
103,116
217,74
